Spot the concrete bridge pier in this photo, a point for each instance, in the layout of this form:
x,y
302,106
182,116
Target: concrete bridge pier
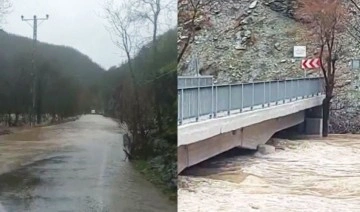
x,y
312,124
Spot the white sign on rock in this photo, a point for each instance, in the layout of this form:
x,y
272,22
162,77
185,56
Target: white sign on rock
x,y
299,51
355,64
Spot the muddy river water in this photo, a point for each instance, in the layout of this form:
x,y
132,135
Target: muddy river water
x,y
76,166
309,175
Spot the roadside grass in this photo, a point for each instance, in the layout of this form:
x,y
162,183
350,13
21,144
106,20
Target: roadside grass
x,y
154,176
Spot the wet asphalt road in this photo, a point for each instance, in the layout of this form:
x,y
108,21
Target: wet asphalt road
x,y
76,166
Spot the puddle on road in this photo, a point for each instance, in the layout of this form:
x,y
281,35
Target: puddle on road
x,y
77,166
310,175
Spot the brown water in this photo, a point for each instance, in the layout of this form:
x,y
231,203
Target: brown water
x,y
309,175
76,166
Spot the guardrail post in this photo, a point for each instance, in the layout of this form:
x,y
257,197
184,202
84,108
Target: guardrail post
x,y
284,100
277,92
269,94
229,102
307,88
263,105
242,97
297,90
253,96
312,94
212,101
182,106
198,104
291,82
216,101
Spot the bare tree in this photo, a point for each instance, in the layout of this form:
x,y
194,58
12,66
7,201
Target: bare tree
x,y
124,33
326,21
189,17
150,10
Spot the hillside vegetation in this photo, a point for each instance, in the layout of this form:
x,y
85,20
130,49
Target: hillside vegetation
x,y
68,82
153,142
253,40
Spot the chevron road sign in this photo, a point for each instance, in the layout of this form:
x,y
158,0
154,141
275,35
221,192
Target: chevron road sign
x,y
310,63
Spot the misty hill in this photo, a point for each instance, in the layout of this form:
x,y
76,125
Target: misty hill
x,y
67,60
166,53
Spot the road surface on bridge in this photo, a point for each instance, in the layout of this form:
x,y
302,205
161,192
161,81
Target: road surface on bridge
x,y
75,166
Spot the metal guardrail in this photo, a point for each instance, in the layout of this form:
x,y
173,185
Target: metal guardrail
x,y
211,101
186,82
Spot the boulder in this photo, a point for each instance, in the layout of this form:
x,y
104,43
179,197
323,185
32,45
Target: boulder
x,y
265,149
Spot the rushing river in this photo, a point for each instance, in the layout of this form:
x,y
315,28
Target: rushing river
x,y
309,175
76,166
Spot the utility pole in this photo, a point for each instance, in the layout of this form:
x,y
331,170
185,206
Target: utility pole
x,y
34,74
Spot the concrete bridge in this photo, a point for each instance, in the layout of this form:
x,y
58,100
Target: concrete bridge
x,y
216,118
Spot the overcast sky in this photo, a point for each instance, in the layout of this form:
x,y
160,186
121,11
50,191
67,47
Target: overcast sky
x,y
75,23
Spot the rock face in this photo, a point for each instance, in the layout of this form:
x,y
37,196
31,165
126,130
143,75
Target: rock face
x,y
235,36
265,149
253,40
284,7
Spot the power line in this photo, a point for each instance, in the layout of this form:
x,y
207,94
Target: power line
x,y
34,74
159,77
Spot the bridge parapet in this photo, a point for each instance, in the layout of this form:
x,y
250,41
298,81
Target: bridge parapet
x,y
198,102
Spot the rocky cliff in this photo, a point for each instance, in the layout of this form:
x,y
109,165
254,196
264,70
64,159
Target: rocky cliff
x,y
251,40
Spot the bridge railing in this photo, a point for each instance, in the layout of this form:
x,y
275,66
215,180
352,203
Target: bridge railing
x,y
190,81
210,101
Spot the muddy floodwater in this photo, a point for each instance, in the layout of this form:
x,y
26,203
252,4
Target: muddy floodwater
x,y
309,175
76,166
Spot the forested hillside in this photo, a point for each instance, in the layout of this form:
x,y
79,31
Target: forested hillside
x,y
68,81
144,67
153,125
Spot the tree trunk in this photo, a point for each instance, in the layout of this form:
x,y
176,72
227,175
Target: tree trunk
x,y
16,119
9,119
326,111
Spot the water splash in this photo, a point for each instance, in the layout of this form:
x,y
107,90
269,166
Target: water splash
x,y
2,209
311,175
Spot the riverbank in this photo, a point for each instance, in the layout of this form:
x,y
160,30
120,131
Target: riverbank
x,y
152,170
10,130
154,175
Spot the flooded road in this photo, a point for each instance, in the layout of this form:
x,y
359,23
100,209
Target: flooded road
x,y
309,175
76,166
